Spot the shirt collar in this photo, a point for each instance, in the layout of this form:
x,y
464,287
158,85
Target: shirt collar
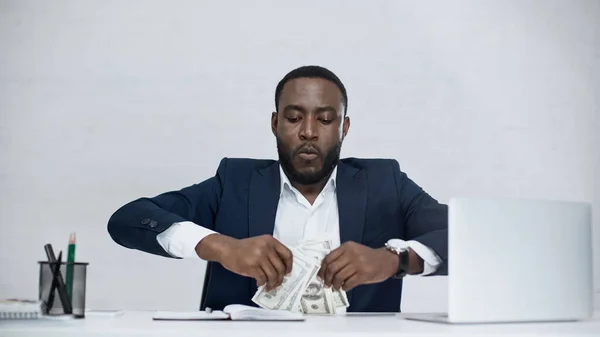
x,y
285,181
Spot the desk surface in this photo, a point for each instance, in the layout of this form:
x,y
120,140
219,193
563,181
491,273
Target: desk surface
x,y
140,323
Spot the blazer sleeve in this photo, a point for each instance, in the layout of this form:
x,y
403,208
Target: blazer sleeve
x,y
425,219
136,224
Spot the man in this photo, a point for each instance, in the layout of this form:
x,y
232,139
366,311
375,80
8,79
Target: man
x,y
244,219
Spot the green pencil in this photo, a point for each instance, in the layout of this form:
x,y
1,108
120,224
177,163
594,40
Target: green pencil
x,y
70,260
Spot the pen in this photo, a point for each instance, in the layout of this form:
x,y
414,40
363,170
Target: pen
x,y
54,269
62,292
70,266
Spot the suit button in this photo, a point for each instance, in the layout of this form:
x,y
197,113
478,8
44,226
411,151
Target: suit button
x,y
153,224
145,221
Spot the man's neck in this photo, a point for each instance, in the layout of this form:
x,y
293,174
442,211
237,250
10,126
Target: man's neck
x,y
310,192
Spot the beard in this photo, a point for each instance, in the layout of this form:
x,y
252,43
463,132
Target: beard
x,y
331,159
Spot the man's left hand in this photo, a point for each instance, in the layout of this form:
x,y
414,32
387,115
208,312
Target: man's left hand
x,y
353,264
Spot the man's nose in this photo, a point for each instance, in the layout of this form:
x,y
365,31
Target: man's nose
x,y
309,129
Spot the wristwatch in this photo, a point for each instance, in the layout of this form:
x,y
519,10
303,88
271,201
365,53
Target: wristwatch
x,y
399,248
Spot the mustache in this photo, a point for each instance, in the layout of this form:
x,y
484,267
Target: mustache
x,y
308,149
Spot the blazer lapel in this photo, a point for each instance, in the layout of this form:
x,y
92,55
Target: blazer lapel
x,y
265,185
351,190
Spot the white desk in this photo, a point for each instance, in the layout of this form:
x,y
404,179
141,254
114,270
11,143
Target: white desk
x,y
140,323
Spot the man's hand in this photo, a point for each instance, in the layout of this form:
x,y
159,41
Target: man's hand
x,y
262,258
353,264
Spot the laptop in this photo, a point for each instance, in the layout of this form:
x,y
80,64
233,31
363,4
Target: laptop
x,y
516,260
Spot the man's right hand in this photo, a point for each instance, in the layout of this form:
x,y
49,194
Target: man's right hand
x,y
262,258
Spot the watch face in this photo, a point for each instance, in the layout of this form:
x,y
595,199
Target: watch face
x,y
398,244
392,249
401,272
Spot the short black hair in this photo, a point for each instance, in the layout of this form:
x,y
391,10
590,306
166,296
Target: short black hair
x,y
312,72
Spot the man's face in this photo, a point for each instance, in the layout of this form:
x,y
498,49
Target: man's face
x,y
309,127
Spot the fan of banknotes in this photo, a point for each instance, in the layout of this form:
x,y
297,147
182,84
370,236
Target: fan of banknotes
x,y
301,291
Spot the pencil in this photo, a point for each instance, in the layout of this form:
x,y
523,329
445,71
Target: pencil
x,y
70,266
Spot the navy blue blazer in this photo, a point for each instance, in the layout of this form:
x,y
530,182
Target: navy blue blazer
x,y
376,202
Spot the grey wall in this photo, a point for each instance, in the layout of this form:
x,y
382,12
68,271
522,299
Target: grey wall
x,y
105,101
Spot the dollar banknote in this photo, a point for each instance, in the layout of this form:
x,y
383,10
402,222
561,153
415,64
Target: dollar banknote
x,y
284,296
317,300
318,250
302,290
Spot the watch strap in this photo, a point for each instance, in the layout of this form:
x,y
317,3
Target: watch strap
x,y
403,263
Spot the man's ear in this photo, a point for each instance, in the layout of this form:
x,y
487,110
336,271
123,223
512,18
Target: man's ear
x,y
345,127
274,121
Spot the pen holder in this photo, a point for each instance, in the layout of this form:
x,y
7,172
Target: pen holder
x,y
69,283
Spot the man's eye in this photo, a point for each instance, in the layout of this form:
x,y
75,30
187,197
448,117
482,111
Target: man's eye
x,y
293,119
326,121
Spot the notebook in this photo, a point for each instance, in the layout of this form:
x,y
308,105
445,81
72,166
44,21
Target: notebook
x,y
20,309
234,312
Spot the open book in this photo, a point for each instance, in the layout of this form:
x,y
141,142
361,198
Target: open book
x,y
234,312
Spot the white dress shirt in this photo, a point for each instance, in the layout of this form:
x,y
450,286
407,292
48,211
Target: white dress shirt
x,y
296,220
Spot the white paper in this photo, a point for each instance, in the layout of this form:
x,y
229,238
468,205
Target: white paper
x,y
190,315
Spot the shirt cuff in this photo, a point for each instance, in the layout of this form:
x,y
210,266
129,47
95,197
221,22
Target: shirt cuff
x,y
181,238
431,261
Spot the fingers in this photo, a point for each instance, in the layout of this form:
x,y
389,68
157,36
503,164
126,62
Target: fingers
x,y
260,276
351,282
330,258
332,269
344,274
279,267
271,274
286,256
267,259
